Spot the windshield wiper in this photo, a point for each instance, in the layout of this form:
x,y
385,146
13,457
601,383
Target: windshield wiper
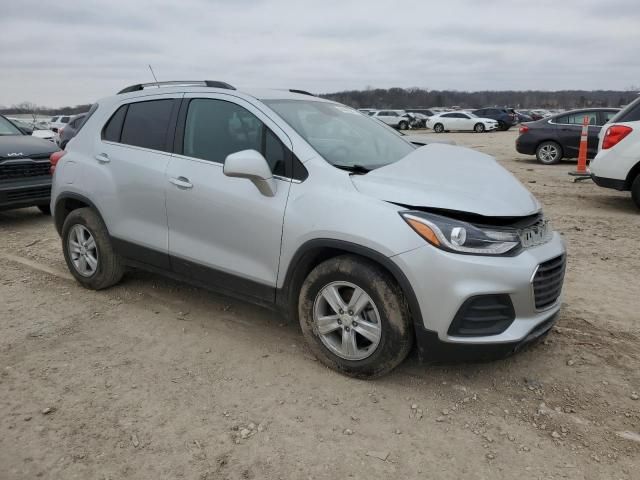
x,y
356,169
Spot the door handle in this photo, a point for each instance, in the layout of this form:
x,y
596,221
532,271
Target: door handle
x,y
103,158
181,182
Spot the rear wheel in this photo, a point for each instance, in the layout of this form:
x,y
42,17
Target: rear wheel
x,y
438,128
354,317
549,153
479,128
635,191
88,250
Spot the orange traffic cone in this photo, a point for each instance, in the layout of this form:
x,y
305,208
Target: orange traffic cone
x,y
581,171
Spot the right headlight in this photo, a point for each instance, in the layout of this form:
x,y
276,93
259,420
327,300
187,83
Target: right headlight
x,y
461,237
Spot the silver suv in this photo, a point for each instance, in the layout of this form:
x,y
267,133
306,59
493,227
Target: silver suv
x,y
307,206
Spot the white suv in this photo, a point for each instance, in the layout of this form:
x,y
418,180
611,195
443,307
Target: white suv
x,y
617,164
393,118
307,206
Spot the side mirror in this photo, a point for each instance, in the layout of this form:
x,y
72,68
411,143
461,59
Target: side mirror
x,y
252,165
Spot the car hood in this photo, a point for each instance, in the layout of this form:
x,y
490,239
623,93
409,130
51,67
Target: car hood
x,y
22,146
451,178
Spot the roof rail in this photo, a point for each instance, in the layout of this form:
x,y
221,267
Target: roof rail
x,y
202,83
302,92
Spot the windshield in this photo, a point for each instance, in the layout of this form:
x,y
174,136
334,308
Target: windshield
x,y
8,128
341,134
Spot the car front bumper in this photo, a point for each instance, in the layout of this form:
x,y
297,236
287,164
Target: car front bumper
x,y
25,193
443,282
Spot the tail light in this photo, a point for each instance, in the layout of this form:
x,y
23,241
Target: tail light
x,y
523,129
614,135
54,158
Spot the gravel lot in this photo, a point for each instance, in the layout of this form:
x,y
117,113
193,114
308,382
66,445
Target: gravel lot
x,y
155,379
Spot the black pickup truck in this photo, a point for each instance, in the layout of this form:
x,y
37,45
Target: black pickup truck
x,y
25,180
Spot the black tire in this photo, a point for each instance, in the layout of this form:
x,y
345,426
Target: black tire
x,y
549,153
403,125
109,268
396,337
635,191
438,128
45,209
478,127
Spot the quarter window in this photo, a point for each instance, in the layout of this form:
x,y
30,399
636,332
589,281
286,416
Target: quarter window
x,y
215,129
146,124
112,130
578,118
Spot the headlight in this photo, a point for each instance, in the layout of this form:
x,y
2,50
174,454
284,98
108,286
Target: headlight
x,y
461,237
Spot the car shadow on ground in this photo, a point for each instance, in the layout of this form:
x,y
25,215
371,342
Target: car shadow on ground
x,y
22,216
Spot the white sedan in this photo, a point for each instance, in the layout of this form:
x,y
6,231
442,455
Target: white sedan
x,y
462,121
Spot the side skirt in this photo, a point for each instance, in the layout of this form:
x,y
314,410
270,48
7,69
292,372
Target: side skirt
x,y
216,281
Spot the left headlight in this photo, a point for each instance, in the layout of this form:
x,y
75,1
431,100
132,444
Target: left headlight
x,y
461,237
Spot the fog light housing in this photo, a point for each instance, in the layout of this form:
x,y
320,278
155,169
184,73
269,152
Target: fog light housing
x,y
483,315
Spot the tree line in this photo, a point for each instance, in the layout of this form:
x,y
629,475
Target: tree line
x,y
29,108
417,97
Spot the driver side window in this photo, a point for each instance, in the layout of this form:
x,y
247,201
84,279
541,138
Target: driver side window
x,y
215,129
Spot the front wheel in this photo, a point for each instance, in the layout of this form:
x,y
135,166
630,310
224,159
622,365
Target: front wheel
x,y
88,250
635,191
549,153
403,125
479,127
438,128
354,317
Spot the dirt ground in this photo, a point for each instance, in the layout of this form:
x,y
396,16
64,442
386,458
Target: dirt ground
x,y
154,379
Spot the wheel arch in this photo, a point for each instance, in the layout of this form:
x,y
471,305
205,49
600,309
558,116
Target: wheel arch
x,y
314,252
631,176
68,202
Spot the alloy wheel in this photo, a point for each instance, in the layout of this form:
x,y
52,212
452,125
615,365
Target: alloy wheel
x,y
347,321
548,153
83,250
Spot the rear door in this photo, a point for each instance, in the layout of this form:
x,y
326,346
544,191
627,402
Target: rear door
x,y
222,231
569,129
131,159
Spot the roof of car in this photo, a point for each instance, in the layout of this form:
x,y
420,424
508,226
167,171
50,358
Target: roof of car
x,y
169,87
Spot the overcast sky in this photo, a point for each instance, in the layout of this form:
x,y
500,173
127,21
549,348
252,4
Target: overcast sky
x,y
66,52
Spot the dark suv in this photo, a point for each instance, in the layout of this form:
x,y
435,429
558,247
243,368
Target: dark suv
x,y
506,117
25,179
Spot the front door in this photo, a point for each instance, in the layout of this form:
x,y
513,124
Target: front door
x,y
222,230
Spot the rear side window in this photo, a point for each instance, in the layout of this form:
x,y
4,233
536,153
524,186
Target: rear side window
x,y
146,123
113,129
215,129
578,118
631,113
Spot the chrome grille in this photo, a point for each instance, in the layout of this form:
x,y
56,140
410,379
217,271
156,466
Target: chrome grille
x,y
547,282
